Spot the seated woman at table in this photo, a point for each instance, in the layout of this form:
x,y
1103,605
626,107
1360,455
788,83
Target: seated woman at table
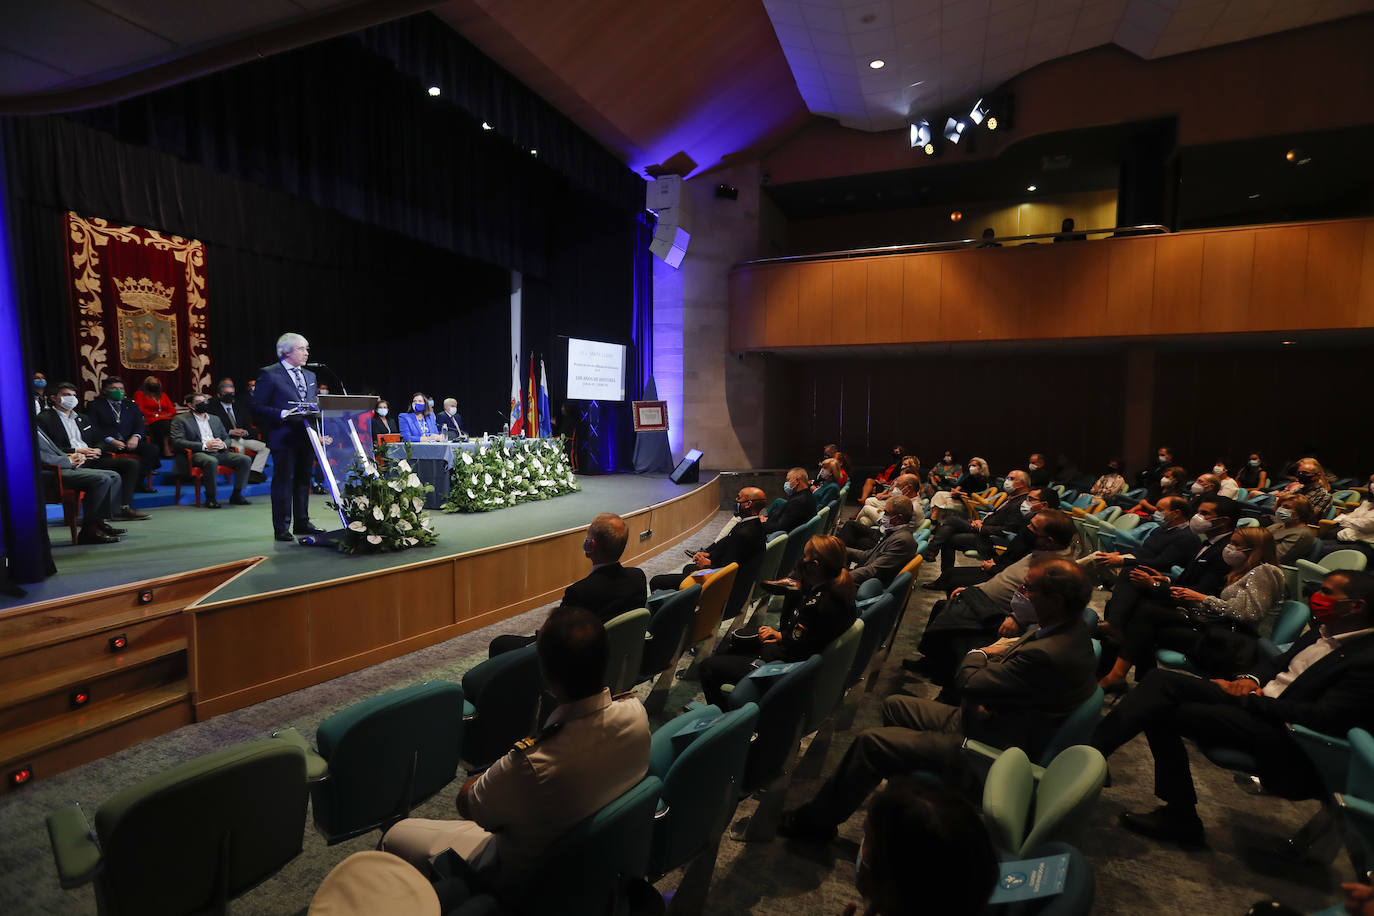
x,y
818,606
418,424
383,423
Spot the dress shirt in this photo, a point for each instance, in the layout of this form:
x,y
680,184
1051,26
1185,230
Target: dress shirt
x,y
298,380
73,431
206,433
1309,657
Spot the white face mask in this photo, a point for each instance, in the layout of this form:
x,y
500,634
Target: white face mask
x,y
1198,488
1008,485
1164,482
1254,462
1284,514
1027,509
1233,555
68,401
1219,470
973,471
450,410
1199,524
382,411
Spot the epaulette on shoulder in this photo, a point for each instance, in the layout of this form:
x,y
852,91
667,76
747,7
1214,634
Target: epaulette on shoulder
x,y
524,744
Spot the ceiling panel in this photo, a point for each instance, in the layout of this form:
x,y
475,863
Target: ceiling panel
x,y
193,23
76,37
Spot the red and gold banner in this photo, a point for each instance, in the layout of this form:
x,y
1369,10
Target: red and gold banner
x,y
138,307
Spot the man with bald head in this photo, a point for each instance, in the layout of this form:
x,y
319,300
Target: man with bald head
x,y
608,591
862,531
741,542
799,506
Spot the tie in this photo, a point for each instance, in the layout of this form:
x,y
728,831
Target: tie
x,y
300,382
229,409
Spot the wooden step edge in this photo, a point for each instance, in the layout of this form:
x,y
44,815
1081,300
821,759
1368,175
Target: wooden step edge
x,y
228,570
17,745
58,679
77,629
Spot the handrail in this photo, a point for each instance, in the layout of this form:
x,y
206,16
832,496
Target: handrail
x,y
955,244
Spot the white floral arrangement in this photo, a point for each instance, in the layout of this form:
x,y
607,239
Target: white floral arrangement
x,y
514,471
386,512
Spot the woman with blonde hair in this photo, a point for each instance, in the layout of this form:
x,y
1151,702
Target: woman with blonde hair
x,y
818,605
1217,633
1313,483
975,479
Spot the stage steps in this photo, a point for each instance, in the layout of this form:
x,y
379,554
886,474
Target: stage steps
x,y
50,651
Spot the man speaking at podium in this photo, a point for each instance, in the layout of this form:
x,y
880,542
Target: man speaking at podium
x,y
280,390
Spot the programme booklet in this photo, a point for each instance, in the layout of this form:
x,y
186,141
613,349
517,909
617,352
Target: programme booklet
x,y
1027,879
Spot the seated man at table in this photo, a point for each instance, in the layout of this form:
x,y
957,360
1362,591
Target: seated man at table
x,y
450,422
205,437
742,541
99,489
608,591
237,417
118,430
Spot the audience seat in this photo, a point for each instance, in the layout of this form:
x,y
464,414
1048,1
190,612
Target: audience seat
x,y
913,570
501,704
1292,618
666,638
54,493
186,471
1024,808
715,591
1310,573
1356,803
381,757
1076,729
191,838
625,649
836,660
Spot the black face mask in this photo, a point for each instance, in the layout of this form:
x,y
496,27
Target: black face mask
x,y
199,406
155,388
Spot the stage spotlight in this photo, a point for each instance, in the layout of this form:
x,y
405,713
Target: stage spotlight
x,y
434,91
929,149
1292,155
1030,187
954,129
486,126
978,113
920,133
877,64
956,216
992,123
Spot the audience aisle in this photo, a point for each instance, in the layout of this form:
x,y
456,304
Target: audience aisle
x,y
1134,875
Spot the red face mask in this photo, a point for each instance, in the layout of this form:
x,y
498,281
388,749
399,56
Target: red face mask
x,y
1325,608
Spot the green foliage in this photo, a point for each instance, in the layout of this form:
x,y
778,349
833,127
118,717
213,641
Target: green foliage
x,y
507,473
387,512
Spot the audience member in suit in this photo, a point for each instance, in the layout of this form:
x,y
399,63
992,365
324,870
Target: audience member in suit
x,y
119,430
450,422
158,411
1169,482
798,509
204,435
1323,682
591,750
99,489
38,395
1015,695
862,531
1037,472
979,613
237,417
72,433
608,591
894,548
957,533
1022,543
418,423
1170,544
742,542
383,423
1205,573
818,606
276,392
1149,475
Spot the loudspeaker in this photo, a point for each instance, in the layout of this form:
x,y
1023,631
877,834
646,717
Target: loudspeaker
x,y
663,193
670,244
688,470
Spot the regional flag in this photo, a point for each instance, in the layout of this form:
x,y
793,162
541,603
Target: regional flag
x,y
545,421
532,425
517,417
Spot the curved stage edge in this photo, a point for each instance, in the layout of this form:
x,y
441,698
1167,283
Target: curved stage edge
x,y
249,648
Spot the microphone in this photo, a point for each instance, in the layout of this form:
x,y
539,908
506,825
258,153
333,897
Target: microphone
x,y
337,378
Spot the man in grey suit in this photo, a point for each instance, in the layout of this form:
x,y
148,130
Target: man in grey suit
x,y
895,548
204,434
99,488
1015,694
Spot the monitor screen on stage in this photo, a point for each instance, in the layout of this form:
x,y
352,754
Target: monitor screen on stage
x,y
596,370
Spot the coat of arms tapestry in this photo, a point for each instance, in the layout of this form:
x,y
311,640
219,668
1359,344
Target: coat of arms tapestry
x,y
138,307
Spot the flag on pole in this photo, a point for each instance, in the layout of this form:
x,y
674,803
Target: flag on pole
x,y
517,417
532,426
545,421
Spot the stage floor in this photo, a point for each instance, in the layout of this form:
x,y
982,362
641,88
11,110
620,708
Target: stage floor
x,y
181,538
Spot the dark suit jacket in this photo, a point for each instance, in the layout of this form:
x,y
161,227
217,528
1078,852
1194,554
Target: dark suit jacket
x,y
186,431
243,414
1165,548
453,424
385,426
798,510
609,591
1207,573
886,559
51,423
745,541
1029,689
101,415
1005,517
1331,696
274,393
1040,477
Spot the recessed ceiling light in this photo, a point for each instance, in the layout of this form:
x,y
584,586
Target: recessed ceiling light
x,y
486,126
534,152
1254,197
1030,187
877,64
434,90
1289,343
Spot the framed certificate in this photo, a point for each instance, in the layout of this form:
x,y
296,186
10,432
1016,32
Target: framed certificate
x,y
650,416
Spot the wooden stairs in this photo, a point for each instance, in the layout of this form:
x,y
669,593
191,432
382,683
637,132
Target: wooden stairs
x,y
70,694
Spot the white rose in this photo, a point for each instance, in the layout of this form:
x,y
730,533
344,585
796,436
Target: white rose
x,y
374,538
481,451
356,526
404,525
362,502
394,484
467,459
426,522
486,478
471,495
417,503
411,542
395,511
377,513
414,481
404,466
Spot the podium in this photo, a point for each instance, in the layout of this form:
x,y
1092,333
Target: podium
x,y
341,432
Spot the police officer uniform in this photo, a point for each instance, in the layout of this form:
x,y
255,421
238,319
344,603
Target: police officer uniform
x,y
589,753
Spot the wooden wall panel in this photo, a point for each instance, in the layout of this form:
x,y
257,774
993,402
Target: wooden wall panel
x,y
849,322
960,295
884,318
497,578
921,298
1130,286
1085,290
1228,266
553,563
1178,284
1002,293
1365,310
780,323
1334,254
1041,274
747,309
1276,295
250,643
816,297
426,599
349,619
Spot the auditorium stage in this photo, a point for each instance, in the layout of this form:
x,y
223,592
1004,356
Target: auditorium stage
x,y
275,617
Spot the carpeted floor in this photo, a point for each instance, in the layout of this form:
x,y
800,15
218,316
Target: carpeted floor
x,y
779,877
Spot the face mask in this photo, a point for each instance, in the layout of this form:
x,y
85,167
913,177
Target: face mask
x,y
1157,517
68,401
155,387
1027,510
115,394
429,401
739,508
1325,609
227,395
450,410
1234,556
1306,476
1166,482
897,453
973,471
825,474
787,488
1008,485
418,407
1022,608
1283,515
1219,470
383,411
949,459
886,523
1163,459
1197,488
199,406
1199,524
40,383
1254,462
